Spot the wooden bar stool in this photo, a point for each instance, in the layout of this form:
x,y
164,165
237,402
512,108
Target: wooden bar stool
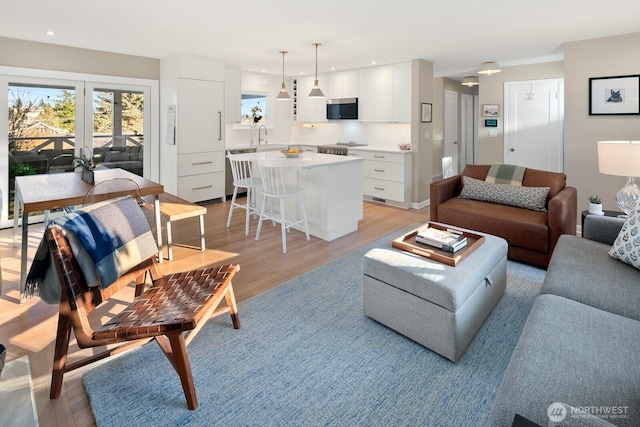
x,y
173,208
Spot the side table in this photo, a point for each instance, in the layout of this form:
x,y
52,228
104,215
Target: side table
x,y
612,214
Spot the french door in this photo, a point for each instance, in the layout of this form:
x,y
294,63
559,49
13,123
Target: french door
x,y
52,121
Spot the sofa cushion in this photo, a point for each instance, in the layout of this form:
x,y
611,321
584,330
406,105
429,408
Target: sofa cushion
x,y
581,270
534,198
575,354
520,227
556,181
501,173
626,248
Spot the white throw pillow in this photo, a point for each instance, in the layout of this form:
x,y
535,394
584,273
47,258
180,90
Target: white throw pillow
x,y
626,248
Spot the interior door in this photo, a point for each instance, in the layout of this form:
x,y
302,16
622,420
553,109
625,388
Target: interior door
x,y
468,142
533,124
450,158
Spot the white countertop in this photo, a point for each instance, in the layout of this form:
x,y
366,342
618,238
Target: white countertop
x,y
279,146
380,149
306,161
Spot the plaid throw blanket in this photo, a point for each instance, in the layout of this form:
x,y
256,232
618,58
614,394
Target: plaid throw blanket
x,y
107,240
500,173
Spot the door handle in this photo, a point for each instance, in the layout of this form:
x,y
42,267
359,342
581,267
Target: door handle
x,y
219,125
512,149
455,142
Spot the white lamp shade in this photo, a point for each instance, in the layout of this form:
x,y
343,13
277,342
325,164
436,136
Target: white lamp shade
x,y
316,92
470,81
489,68
283,95
621,158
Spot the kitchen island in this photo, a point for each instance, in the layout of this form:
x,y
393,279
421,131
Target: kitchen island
x,y
332,189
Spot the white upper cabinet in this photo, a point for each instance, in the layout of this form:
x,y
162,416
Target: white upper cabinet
x,y
375,93
232,94
385,93
341,84
402,92
349,84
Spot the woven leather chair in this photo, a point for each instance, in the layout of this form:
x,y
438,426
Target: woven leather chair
x,y
171,311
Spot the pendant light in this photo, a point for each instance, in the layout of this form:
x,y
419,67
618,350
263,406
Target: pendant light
x,y
489,68
283,95
316,92
470,81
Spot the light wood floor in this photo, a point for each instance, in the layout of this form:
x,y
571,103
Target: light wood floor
x,y
30,329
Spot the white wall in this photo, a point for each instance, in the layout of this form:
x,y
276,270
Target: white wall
x,y
386,135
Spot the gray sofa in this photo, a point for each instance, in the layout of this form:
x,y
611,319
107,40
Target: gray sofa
x,y
577,361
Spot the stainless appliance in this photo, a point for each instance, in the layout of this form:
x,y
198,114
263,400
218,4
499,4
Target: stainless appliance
x,y
339,149
342,109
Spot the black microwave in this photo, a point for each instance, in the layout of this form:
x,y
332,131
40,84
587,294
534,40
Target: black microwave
x,y
342,109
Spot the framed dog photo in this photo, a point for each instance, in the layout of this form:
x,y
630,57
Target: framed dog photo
x,y
490,110
619,95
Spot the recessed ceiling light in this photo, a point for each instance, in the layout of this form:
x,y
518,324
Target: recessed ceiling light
x,y
263,70
373,62
333,68
50,33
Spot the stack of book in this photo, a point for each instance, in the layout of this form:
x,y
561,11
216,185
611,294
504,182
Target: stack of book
x,y
441,239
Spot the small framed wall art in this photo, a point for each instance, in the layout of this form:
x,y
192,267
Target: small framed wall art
x,y
426,113
490,110
618,95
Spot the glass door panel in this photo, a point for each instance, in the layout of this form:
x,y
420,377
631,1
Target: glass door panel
x,y
119,127
41,131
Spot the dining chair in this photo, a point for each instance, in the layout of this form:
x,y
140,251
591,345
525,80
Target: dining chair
x,y
171,310
274,189
241,170
97,192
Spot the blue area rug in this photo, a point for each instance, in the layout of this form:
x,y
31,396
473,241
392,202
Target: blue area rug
x,y
307,356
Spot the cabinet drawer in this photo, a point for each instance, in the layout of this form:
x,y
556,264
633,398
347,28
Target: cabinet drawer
x,y
383,170
383,189
196,188
382,156
199,163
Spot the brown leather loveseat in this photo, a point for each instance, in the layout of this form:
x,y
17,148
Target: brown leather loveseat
x,y
531,235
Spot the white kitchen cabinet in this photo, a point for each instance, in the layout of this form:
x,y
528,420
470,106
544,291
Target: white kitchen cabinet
x,y
386,176
342,84
200,116
310,109
232,94
384,93
375,88
402,92
192,152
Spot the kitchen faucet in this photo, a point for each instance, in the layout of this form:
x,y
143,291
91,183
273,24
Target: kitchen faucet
x,y
260,133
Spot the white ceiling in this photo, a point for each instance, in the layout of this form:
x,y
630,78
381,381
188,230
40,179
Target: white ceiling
x,y
456,35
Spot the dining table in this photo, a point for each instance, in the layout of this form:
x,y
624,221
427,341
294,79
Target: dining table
x,y
46,192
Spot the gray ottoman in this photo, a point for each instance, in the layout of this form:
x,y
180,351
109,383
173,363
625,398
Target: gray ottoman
x,y
436,305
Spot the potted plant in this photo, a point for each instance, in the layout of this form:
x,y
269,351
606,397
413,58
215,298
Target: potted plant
x,y
595,205
88,167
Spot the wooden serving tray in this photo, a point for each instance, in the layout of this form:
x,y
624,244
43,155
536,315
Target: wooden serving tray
x,y
407,242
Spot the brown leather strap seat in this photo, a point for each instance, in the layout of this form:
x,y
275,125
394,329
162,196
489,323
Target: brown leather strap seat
x,y
171,311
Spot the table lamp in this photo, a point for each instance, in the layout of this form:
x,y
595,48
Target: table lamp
x,y
622,158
